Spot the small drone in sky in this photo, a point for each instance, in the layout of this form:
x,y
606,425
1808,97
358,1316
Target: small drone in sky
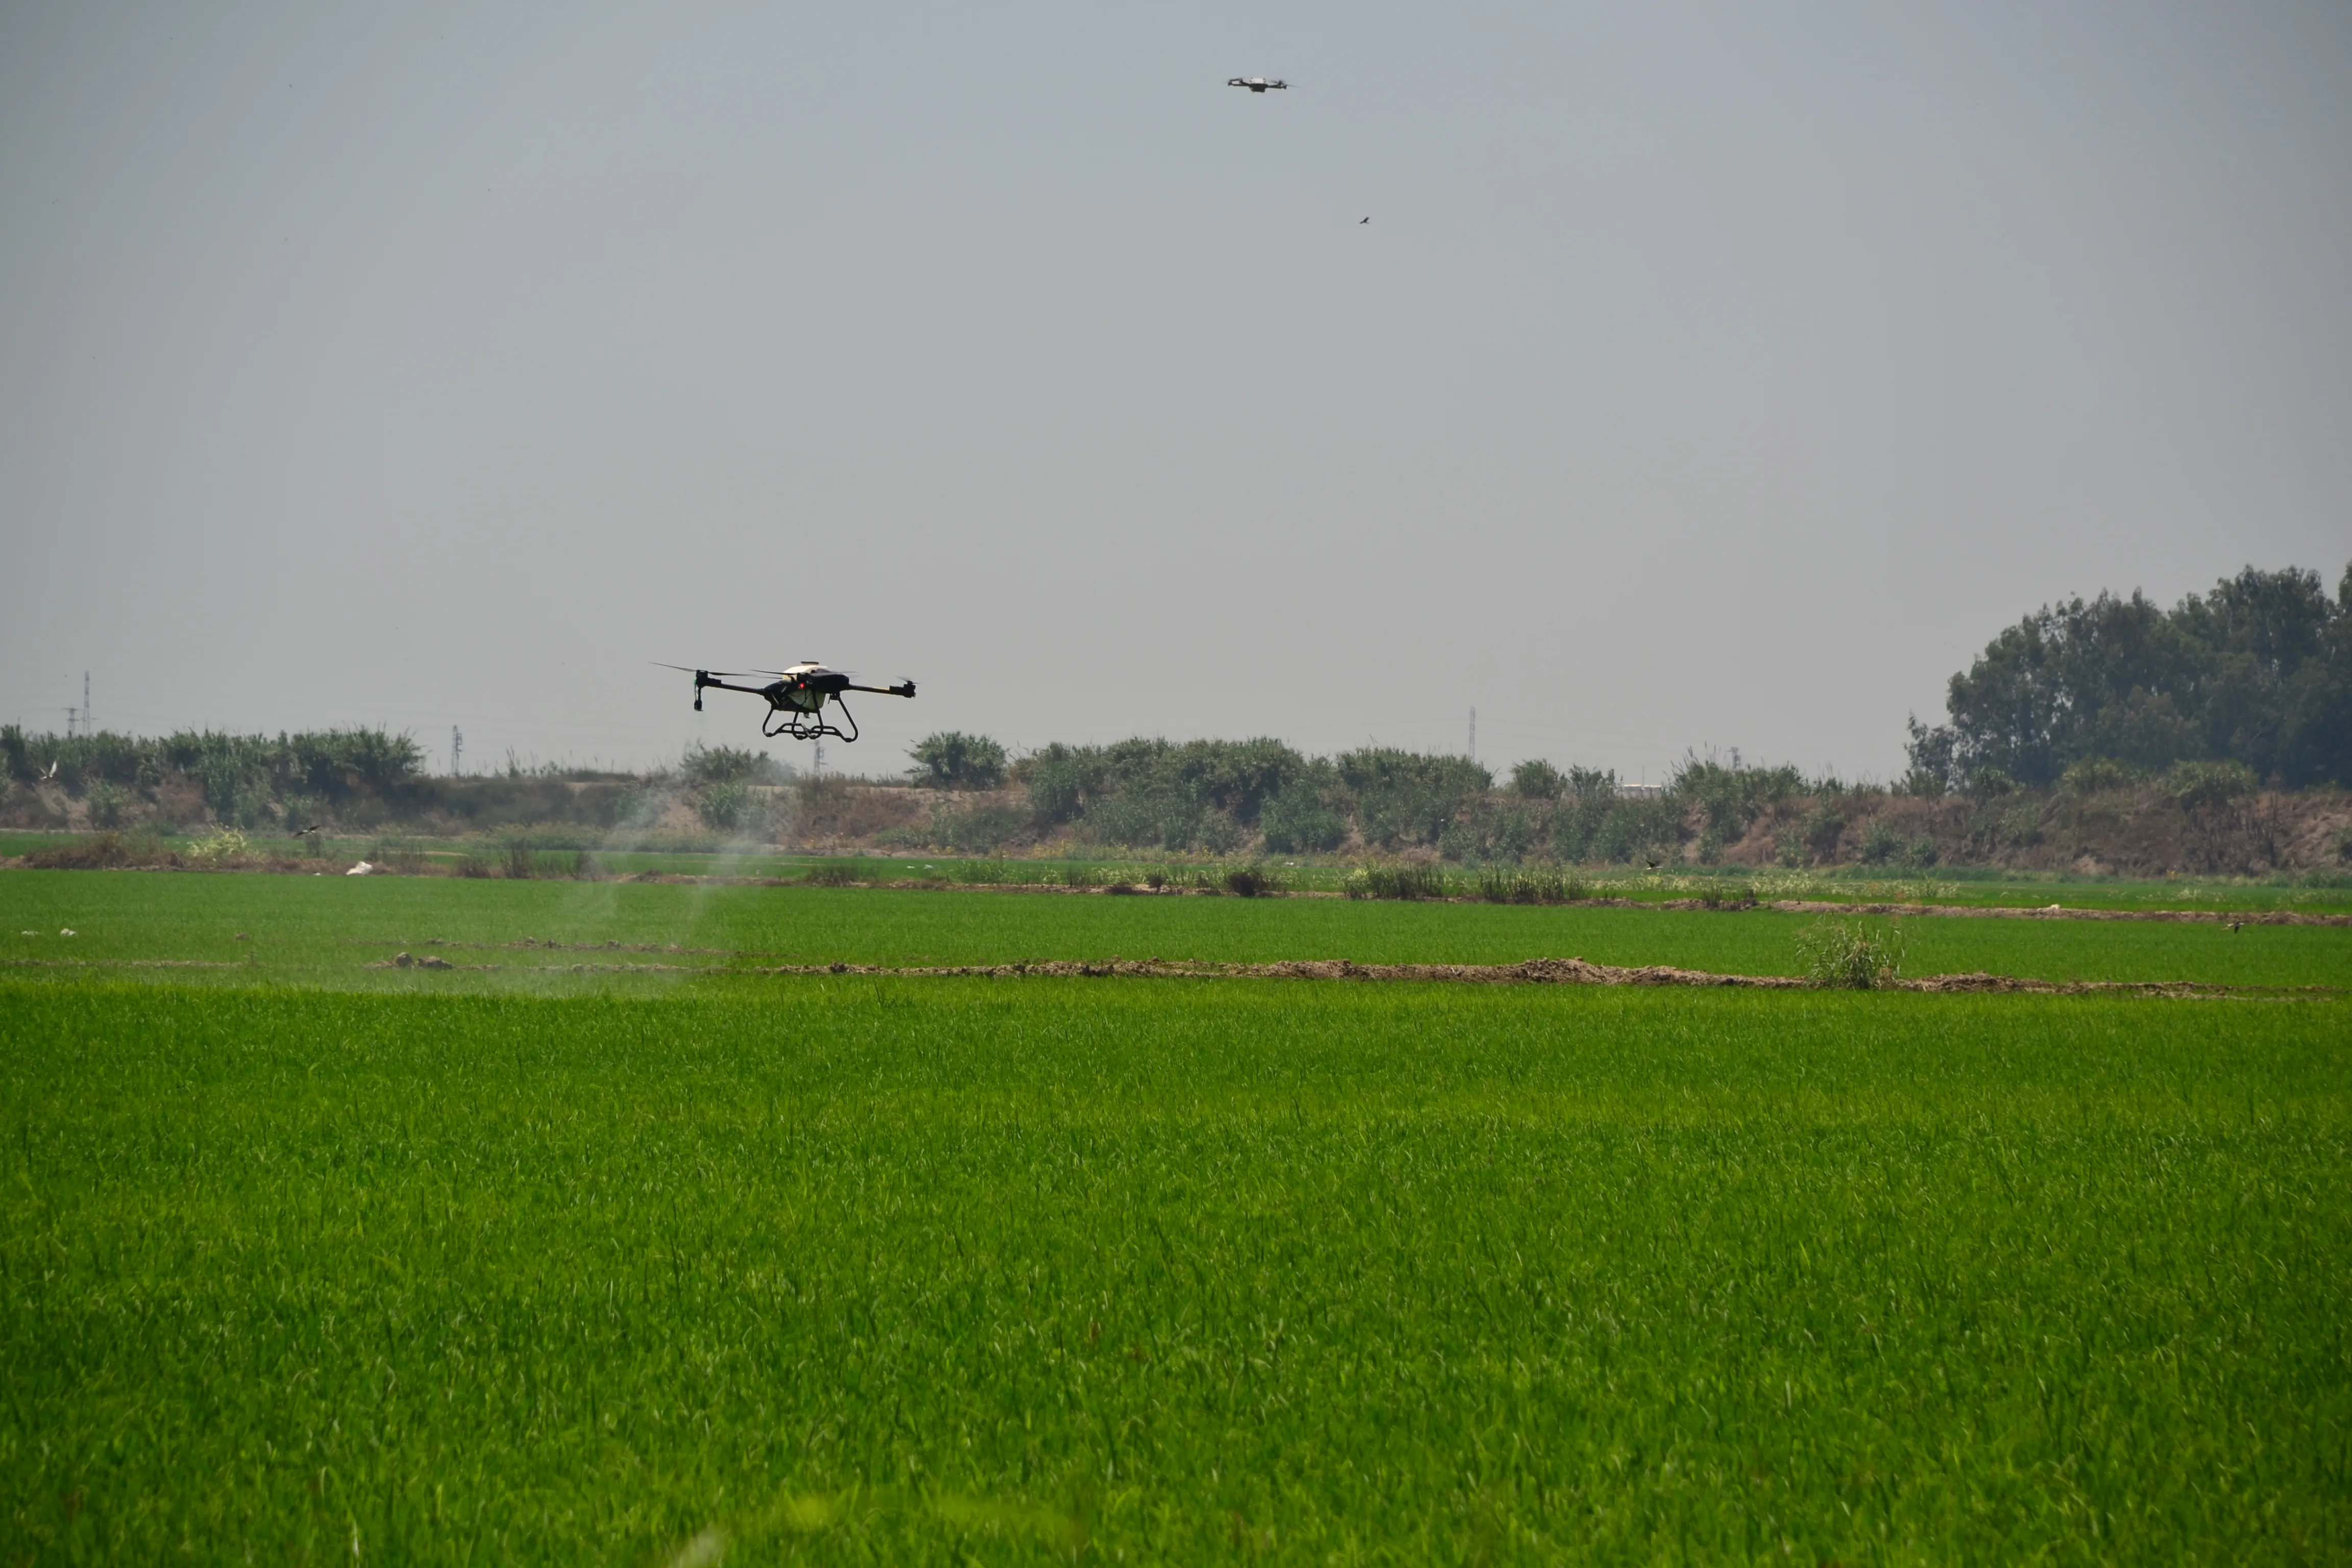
x,y
1258,83
798,695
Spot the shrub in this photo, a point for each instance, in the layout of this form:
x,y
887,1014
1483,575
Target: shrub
x,y
722,764
1396,883
951,759
1545,885
1718,897
832,874
1648,829
1298,821
105,804
980,829
2095,776
1591,784
222,844
1851,955
1921,852
726,805
1991,782
1536,779
472,865
1880,842
1248,881
1925,782
1820,830
2344,846
104,852
1732,798
1407,797
2205,788
520,864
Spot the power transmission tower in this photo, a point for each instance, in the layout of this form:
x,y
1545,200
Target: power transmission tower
x,y
89,722
457,748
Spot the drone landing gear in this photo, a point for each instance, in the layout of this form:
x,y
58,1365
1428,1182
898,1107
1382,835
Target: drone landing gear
x,y
802,726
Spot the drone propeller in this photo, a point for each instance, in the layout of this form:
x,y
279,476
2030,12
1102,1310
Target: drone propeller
x,y
690,669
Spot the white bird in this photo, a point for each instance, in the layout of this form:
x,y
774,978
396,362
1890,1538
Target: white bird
x,y
53,768
1258,83
361,869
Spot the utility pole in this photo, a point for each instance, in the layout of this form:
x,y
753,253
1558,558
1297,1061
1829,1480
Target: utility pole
x,y
1474,734
457,748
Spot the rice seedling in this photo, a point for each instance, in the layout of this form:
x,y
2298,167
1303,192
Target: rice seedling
x,y
841,1269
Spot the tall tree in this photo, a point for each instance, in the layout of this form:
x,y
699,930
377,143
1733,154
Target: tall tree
x,y
2257,671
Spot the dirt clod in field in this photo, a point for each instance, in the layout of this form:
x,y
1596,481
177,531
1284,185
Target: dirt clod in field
x,y
1533,971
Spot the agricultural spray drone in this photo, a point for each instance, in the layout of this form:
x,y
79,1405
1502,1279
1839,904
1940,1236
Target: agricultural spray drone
x,y
796,697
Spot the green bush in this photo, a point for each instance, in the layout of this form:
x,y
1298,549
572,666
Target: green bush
x,y
1536,779
722,764
1393,881
1880,842
2204,787
949,759
1298,821
981,829
1989,782
1534,885
1405,798
1250,881
105,804
1731,797
2095,776
1851,955
726,806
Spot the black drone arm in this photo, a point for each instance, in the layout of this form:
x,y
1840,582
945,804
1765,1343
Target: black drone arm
x,y
905,689
703,678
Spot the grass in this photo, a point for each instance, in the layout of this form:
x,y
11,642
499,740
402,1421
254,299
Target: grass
x,y
323,929
620,855
857,1270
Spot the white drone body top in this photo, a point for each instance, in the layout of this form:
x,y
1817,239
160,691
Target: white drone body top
x,y
1258,83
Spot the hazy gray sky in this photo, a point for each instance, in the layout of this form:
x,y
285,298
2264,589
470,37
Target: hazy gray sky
x,y
1708,374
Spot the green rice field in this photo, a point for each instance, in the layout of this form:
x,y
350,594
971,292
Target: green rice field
x,y
326,930
304,1260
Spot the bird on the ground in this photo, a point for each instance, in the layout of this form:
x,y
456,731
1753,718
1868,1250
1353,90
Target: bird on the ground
x,y
2234,925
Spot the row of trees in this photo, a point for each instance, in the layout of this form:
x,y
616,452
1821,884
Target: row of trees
x,y
2257,672
1220,796
236,775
